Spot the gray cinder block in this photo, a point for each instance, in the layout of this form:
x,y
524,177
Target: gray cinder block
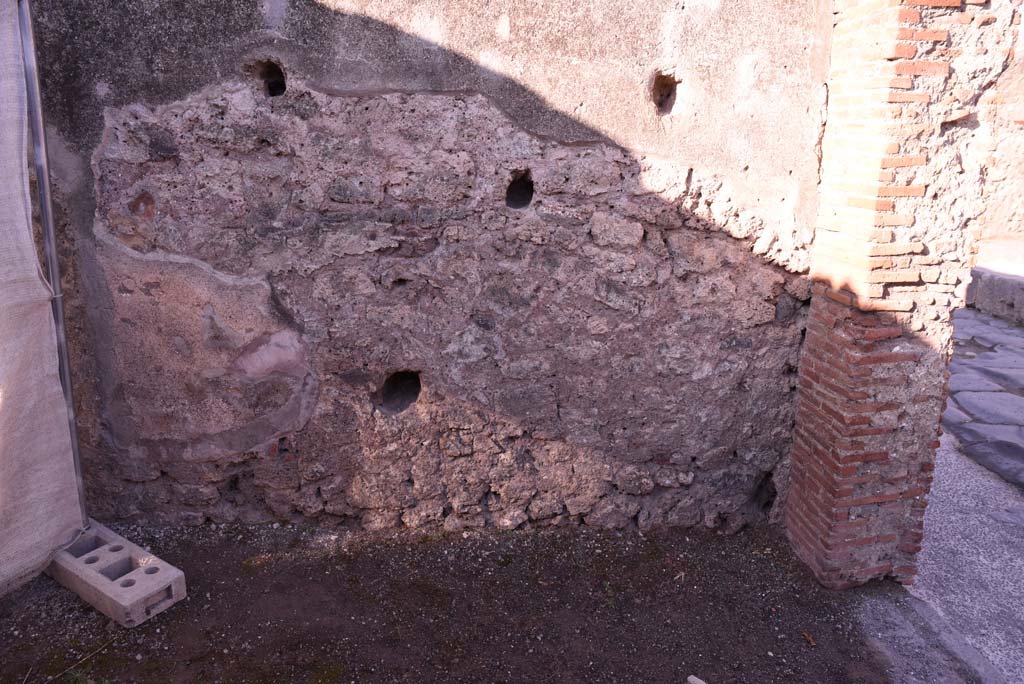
x,y
121,580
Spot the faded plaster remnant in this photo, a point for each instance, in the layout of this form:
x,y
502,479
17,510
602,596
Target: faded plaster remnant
x,y
274,12
503,27
428,26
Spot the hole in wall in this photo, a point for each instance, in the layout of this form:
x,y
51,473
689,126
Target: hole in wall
x,y
663,92
400,391
764,495
520,190
272,76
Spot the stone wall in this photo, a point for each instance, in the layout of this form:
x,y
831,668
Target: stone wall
x,y
1000,151
997,281
436,265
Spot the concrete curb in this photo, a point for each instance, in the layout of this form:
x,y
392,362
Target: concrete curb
x,y
998,294
954,642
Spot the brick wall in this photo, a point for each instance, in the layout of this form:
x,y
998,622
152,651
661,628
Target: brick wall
x,y
891,259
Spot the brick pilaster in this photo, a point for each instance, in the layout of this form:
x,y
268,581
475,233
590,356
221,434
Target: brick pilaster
x,y
888,275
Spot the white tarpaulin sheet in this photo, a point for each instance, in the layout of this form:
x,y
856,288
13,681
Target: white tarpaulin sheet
x,y
39,504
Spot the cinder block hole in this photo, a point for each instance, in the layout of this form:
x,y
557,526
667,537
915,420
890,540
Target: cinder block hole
x,y
272,76
119,568
663,92
128,583
152,570
520,190
156,602
87,543
400,391
116,547
91,559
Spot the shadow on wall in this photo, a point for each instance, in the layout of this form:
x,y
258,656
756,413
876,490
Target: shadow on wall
x,y
431,302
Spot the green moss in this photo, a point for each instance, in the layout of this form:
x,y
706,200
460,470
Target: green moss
x,y
254,564
328,673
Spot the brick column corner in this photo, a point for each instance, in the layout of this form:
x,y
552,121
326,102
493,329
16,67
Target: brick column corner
x,y
889,268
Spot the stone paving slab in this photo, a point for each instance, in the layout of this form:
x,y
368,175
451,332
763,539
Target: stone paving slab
x,y
1011,379
998,408
953,415
1004,458
969,381
986,405
1004,357
982,432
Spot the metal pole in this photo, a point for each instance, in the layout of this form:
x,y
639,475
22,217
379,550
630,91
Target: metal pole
x,y
42,166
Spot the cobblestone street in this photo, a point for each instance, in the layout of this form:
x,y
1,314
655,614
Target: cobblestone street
x,y
986,406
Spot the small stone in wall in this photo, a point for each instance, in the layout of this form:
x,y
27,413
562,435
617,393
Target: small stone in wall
x,y
612,231
457,443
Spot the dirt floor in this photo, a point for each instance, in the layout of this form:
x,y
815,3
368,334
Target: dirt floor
x,y
563,605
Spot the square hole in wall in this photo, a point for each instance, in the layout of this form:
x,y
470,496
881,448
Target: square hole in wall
x,y
663,92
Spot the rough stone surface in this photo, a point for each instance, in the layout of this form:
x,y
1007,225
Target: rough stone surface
x,y
606,354
245,272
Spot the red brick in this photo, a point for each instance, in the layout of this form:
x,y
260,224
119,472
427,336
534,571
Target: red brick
x,y
922,68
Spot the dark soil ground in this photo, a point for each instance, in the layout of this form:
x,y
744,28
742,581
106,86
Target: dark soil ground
x,y
564,605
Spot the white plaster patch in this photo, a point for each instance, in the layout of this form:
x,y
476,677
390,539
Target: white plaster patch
x,y
748,76
274,12
705,6
428,26
498,63
663,176
504,27
282,353
669,33
67,168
